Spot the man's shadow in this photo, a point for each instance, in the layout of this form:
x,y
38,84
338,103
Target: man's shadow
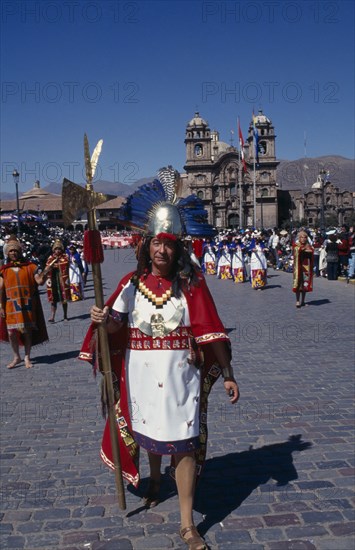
x,y
319,302
228,480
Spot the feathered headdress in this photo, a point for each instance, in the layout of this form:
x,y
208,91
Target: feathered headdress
x,y
157,208
57,244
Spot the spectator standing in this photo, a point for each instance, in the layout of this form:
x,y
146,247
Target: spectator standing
x,y
351,272
273,246
344,250
332,252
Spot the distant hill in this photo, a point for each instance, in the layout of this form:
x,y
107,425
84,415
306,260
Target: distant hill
x,y
102,186
302,173
290,174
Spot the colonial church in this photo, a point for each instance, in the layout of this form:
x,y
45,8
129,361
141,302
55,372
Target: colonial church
x,y
214,170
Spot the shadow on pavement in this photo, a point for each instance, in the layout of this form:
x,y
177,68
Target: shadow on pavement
x,y
55,358
167,490
228,480
83,316
271,286
318,302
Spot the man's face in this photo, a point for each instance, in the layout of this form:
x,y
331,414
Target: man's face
x,y
57,251
162,254
13,254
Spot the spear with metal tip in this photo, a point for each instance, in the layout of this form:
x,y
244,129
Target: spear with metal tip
x,y
75,198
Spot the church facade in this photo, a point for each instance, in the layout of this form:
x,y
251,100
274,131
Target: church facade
x,y
233,197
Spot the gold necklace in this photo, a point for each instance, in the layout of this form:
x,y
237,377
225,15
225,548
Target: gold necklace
x,y
158,301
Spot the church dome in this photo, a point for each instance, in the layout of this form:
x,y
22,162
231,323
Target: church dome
x,y
197,120
260,118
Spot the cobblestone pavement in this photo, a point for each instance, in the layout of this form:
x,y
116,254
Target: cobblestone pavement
x,y
279,473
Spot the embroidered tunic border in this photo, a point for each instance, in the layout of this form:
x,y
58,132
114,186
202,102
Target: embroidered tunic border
x,y
211,337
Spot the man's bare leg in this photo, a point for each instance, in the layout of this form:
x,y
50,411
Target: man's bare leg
x,y
13,339
28,344
185,476
151,498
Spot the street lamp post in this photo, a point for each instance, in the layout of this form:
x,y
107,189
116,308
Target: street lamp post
x,y
322,173
16,177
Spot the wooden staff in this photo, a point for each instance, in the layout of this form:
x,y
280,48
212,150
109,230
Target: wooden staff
x,y
102,333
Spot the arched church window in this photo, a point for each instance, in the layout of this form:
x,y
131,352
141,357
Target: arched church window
x,y
262,148
198,150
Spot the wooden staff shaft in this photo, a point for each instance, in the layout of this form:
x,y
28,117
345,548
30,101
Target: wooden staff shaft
x,y
106,364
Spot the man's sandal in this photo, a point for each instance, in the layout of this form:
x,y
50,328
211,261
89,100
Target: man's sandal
x,y
151,498
195,542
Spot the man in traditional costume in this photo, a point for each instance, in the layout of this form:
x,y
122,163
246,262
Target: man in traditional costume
x,y
21,315
58,281
168,347
302,268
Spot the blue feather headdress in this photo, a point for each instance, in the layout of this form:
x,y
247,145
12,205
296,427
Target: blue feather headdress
x,y
155,208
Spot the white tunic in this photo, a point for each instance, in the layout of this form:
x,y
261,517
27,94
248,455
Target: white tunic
x,y
163,384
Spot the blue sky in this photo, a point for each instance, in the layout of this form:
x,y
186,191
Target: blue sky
x,y
133,73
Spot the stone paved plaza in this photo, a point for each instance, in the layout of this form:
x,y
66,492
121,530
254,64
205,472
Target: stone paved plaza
x,y
279,470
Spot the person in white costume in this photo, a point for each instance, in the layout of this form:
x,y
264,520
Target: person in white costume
x,y
258,263
238,263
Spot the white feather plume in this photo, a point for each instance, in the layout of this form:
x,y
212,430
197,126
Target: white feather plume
x,y
95,157
167,177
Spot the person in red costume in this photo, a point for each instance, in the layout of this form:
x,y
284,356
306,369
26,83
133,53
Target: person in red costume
x,y
168,347
302,268
21,315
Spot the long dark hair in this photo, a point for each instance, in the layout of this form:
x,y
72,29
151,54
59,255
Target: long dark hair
x,y
184,272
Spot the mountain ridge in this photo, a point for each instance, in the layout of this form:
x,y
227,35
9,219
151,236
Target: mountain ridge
x,y
290,175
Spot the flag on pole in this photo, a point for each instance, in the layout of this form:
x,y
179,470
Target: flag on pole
x,y
241,146
256,139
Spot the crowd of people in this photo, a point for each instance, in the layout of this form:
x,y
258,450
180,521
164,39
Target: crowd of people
x,y
247,254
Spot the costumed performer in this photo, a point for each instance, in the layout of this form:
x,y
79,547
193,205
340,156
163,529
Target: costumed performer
x,y
163,320
258,263
238,264
21,315
209,258
224,261
302,268
58,282
76,271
